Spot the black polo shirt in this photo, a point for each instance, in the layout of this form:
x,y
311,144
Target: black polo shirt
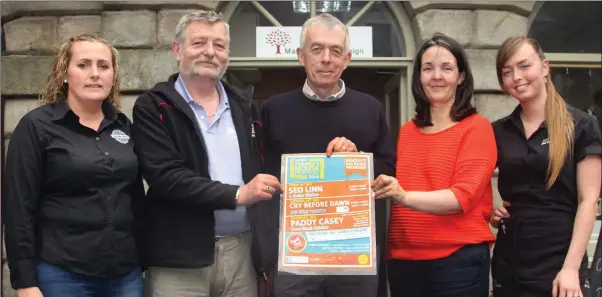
x,y
70,193
523,163
532,243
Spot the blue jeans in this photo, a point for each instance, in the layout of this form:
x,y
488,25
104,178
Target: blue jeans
x,y
464,273
54,281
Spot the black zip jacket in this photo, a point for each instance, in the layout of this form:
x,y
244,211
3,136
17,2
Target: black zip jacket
x,y
182,197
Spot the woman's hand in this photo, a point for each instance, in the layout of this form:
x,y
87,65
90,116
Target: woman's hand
x,y
567,284
500,213
388,187
29,292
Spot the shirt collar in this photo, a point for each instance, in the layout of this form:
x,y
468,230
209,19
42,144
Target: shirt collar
x,y
61,109
517,121
309,93
183,91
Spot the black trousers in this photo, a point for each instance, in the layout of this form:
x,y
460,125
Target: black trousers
x,y
464,273
290,285
325,286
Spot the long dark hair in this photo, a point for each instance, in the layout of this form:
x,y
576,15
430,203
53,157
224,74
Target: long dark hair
x,y
462,107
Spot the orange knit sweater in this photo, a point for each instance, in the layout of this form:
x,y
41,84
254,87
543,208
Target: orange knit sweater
x,y
462,159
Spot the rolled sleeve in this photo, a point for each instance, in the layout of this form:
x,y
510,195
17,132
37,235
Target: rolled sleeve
x,y
588,140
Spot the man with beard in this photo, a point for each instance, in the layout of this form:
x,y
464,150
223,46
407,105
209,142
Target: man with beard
x,y
198,147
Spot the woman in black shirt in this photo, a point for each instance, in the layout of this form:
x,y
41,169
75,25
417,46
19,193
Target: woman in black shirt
x,y
549,178
72,183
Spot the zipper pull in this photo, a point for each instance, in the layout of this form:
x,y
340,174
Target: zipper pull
x,y
265,277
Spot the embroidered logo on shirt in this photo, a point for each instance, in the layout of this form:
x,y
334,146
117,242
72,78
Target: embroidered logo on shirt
x,y
120,136
545,141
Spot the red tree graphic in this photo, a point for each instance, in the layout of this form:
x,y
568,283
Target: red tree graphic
x,y
278,38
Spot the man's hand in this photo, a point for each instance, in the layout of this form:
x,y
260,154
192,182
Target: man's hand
x,y
29,292
261,187
340,144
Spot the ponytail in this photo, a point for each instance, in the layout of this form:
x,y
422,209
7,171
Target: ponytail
x,y
561,132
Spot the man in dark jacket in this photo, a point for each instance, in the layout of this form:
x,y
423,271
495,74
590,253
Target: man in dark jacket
x,y
197,141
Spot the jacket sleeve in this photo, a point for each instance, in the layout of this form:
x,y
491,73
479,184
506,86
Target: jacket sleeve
x,y
271,156
22,191
163,166
257,134
383,150
138,195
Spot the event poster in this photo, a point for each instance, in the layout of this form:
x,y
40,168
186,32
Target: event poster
x,y
327,215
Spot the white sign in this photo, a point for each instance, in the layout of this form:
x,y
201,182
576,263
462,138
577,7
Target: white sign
x,y
282,42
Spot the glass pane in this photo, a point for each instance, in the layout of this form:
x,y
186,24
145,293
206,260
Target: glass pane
x,y
342,10
387,38
579,89
286,13
566,27
242,29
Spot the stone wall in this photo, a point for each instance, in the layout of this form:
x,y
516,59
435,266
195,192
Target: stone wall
x,y
143,32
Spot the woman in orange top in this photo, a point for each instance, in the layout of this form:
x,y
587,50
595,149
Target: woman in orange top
x,y
439,237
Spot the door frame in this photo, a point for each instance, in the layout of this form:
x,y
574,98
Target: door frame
x,y
401,79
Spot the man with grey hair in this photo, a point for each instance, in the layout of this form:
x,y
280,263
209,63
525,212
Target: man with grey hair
x,y
335,118
197,139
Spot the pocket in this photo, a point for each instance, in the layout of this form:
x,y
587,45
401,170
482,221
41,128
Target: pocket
x,y
47,273
471,255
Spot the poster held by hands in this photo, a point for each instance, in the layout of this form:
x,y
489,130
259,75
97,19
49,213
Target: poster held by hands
x,y
327,215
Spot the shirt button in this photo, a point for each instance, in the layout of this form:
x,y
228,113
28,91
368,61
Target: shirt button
x,y
106,153
109,197
202,117
97,138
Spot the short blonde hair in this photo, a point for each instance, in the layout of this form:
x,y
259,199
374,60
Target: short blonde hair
x,y
56,87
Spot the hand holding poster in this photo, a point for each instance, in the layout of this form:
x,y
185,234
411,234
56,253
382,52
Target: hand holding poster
x,y
327,215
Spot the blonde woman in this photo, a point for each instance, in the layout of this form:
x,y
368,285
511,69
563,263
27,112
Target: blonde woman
x,y
549,178
72,183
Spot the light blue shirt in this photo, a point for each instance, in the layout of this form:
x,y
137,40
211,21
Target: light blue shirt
x,y
224,155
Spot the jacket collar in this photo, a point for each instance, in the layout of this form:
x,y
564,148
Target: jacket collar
x,y
168,89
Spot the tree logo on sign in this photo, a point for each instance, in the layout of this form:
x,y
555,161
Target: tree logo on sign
x,y
278,38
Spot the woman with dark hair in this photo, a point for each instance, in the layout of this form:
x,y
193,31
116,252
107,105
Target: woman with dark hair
x,y
549,179
439,237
